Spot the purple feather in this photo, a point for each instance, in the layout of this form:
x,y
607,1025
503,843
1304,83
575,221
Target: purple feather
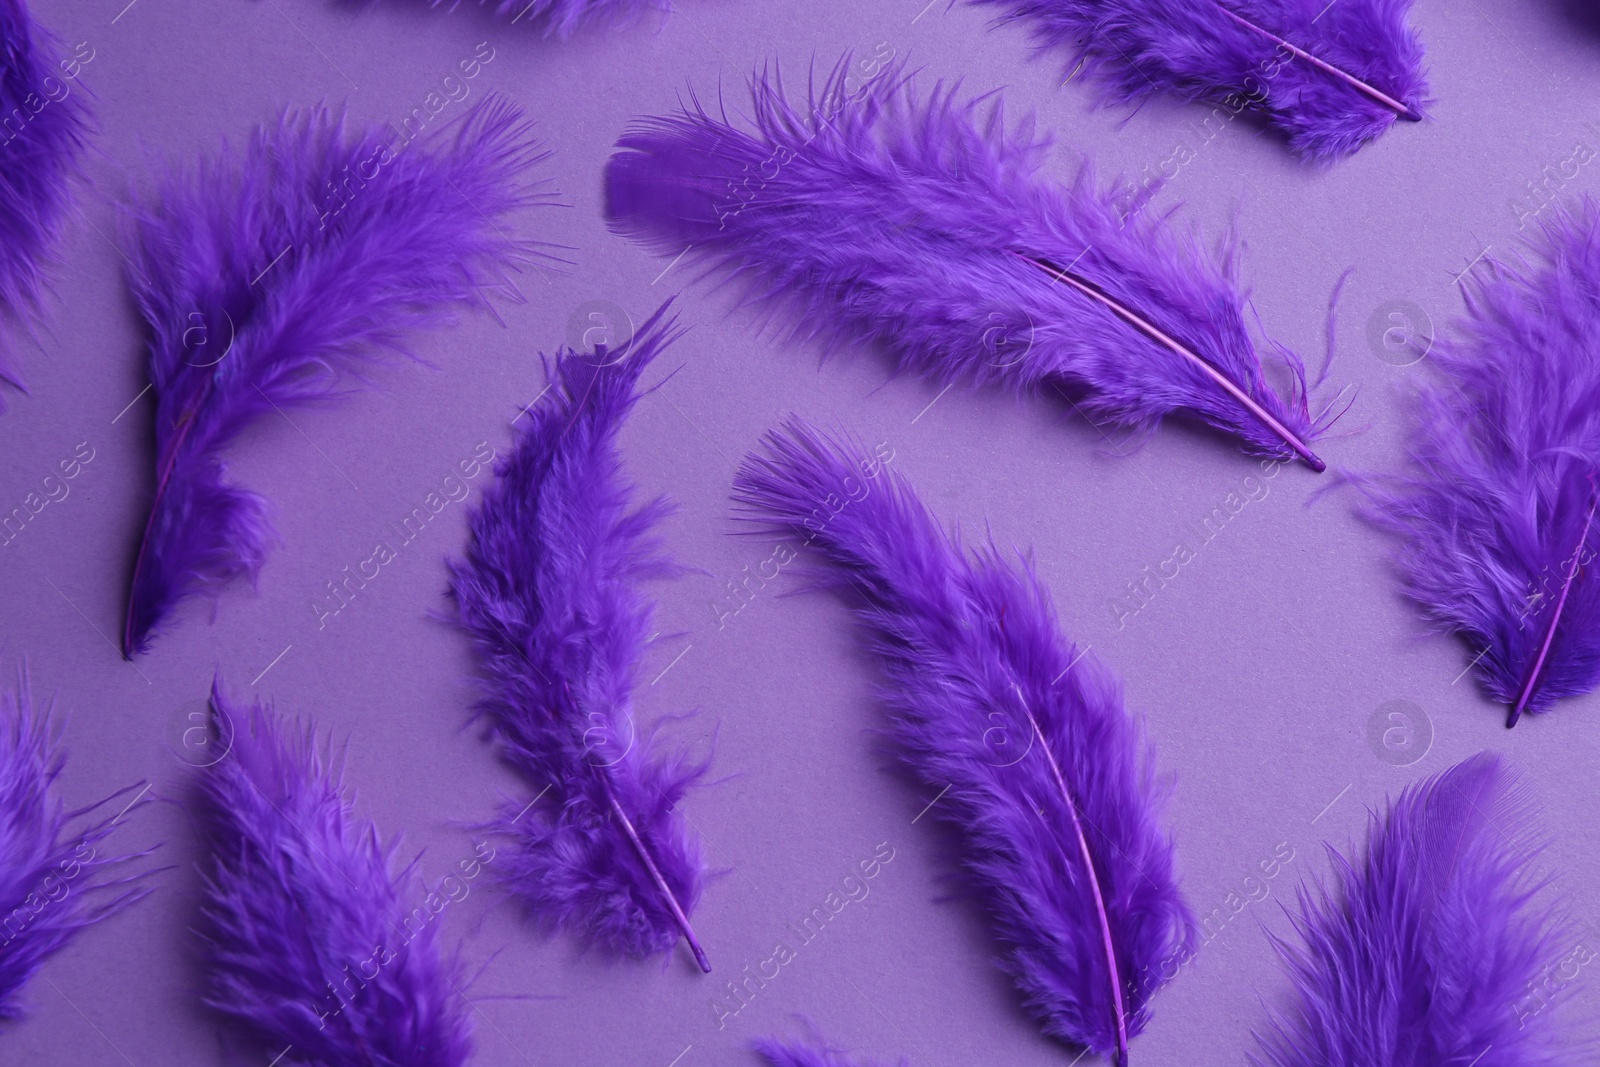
x,y
1496,519
814,1053
563,18
43,126
53,877
549,592
1048,780
312,938
1433,948
1329,77
923,227
270,280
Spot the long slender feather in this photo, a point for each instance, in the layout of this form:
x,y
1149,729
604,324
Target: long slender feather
x,y
272,279
1434,948
924,227
1495,522
313,939
54,877
549,592
43,127
1048,780
1329,77
563,18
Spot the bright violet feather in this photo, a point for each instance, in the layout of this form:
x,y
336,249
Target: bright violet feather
x,y
1329,77
924,227
313,937
1434,947
813,1053
43,126
1047,778
1496,519
563,18
549,591
53,875
271,279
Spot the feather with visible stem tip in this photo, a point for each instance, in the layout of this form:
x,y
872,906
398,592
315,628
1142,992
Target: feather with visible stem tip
x,y
1048,780
924,227
548,590
1495,522
303,899
563,18
1328,77
272,279
815,1053
40,142
53,879
1437,946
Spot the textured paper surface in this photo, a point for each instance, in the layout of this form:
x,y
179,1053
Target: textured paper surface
x,y
1268,666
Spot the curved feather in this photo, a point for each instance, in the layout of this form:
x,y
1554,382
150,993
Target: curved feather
x,y
43,126
312,938
1432,948
548,590
1495,519
271,279
1329,77
923,226
53,878
1045,776
563,18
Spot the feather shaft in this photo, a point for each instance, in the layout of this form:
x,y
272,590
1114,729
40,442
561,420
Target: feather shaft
x,y
1526,693
667,894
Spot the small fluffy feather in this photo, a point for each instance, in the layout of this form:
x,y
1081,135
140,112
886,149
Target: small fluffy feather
x,y
549,592
270,280
876,216
563,18
1505,457
301,897
1432,948
1192,50
971,649
53,879
815,1053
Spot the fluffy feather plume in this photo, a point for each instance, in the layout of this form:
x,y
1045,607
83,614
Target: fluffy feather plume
x,y
563,18
1495,521
1329,77
814,1053
1038,767
312,938
1434,948
43,124
271,279
923,227
549,592
53,878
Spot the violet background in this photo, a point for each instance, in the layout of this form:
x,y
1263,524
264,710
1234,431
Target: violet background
x,y
1259,667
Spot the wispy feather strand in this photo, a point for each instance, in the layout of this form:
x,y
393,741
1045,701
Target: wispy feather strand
x,y
813,1053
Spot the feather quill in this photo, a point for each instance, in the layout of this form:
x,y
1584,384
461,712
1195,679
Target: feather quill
x,y
303,899
923,227
1495,522
271,279
548,590
1039,768
53,878
1432,948
43,127
1329,77
562,18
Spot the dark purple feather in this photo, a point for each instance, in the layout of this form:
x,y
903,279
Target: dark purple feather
x,y
549,591
1432,949
1495,520
1329,76
53,876
271,279
1049,781
313,938
563,18
923,226
43,125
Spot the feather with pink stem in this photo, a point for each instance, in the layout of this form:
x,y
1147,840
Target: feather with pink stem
x,y
563,18
1438,946
1038,767
313,937
1495,520
548,590
1328,76
271,279
54,879
924,227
